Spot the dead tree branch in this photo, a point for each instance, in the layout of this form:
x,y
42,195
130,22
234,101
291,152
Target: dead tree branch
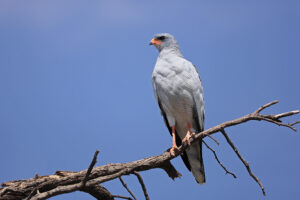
x,y
122,197
292,124
216,157
142,184
126,187
215,140
65,182
90,168
244,161
99,192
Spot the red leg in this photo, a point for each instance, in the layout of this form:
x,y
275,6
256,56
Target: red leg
x,y
186,139
174,146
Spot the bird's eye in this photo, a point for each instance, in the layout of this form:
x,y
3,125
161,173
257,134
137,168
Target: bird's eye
x,y
161,38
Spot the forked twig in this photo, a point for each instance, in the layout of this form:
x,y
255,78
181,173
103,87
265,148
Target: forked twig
x,y
216,157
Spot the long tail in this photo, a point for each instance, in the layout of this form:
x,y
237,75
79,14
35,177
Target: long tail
x,y
194,154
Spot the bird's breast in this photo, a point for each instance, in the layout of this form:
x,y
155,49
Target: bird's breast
x,y
175,93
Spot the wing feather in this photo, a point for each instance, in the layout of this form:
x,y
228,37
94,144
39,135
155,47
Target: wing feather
x,y
178,140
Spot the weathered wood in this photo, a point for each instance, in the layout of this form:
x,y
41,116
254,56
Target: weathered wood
x,y
64,181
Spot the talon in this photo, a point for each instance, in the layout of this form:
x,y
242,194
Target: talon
x,y
173,149
186,139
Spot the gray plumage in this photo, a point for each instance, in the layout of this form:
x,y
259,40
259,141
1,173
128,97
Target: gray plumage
x,y
179,93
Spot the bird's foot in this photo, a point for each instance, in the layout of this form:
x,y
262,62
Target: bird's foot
x,y
186,140
173,150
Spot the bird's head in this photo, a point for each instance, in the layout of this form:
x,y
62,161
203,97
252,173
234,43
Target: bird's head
x,y
164,41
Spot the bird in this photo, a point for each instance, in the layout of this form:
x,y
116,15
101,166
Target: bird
x,y
178,91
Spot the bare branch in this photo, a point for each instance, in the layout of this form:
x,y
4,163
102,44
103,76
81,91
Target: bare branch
x,y
170,170
122,197
126,187
35,190
99,192
286,114
90,168
277,122
142,184
292,124
265,106
65,181
31,194
243,161
214,139
216,157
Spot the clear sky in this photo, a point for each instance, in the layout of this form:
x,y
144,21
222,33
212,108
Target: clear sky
x,y
75,76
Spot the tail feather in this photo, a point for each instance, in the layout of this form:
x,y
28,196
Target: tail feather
x,y
194,154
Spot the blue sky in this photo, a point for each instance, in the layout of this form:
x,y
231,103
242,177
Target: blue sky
x,y
76,77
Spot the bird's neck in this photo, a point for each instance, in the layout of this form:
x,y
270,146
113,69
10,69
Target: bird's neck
x,y
168,51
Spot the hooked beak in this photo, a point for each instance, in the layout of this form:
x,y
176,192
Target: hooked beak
x,y
155,42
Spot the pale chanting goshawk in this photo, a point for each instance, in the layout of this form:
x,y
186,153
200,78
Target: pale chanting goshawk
x,y
179,94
